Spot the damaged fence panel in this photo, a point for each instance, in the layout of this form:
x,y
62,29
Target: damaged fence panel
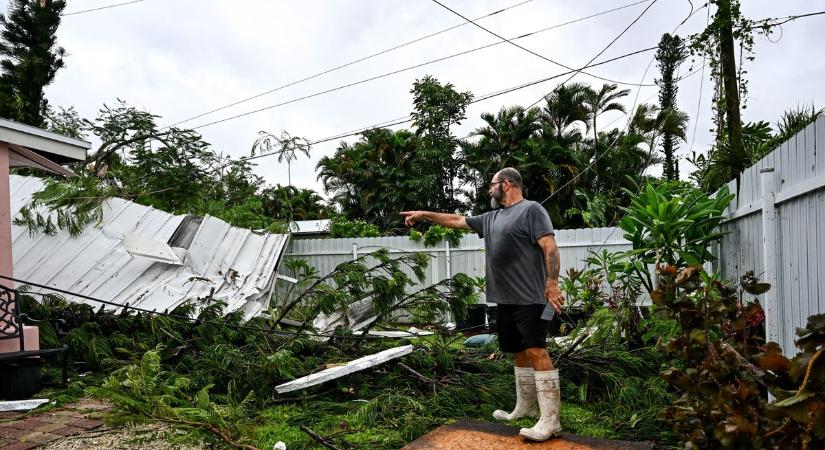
x,y
337,372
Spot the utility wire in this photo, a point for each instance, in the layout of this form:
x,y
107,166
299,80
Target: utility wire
x,y
612,146
406,119
765,23
72,13
509,41
333,69
398,71
394,72
610,44
479,99
508,90
597,157
701,88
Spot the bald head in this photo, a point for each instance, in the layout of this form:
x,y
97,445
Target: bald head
x,y
513,176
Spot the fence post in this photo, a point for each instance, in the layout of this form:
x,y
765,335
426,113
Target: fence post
x,y
354,251
772,312
449,268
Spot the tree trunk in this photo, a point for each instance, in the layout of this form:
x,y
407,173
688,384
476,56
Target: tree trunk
x,y
727,58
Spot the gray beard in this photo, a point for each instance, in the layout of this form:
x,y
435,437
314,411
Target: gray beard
x,y
495,199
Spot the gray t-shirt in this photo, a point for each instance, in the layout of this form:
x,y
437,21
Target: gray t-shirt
x,y
515,262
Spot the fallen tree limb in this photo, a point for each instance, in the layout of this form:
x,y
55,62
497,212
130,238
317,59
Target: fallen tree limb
x,y
321,440
425,378
572,347
224,437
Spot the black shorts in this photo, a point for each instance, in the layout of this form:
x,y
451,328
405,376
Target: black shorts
x,y
520,327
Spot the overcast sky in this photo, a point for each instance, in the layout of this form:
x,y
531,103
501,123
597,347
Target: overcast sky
x,y
180,58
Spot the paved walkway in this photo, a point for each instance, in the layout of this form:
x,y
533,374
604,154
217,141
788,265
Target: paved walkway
x,y
479,435
19,432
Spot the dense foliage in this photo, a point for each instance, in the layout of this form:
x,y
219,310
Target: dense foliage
x,y
30,58
168,168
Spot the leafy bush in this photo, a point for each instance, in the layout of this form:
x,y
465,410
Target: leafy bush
x,y
724,370
671,224
340,227
436,234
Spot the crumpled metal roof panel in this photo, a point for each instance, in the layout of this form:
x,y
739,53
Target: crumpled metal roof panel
x,y
238,264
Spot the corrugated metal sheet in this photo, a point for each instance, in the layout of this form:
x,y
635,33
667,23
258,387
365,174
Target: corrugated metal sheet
x,y
238,264
799,179
310,226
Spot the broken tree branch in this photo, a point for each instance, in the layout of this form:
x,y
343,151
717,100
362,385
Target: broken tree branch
x,y
572,347
321,440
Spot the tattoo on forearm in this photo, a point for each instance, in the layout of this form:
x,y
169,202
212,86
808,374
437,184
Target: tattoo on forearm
x,y
552,262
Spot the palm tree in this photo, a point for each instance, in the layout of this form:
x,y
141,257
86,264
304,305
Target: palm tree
x,y
505,137
285,146
510,128
651,122
565,106
602,101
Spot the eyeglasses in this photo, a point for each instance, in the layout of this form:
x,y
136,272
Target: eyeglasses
x,y
497,182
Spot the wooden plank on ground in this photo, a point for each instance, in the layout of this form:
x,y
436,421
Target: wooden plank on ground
x,y
337,372
479,435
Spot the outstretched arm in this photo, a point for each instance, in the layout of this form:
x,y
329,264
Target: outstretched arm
x,y
443,219
552,292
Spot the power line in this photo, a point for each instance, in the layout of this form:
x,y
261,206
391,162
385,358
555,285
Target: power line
x,y
787,19
72,13
765,23
405,119
597,157
535,53
333,69
628,121
508,90
610,44
479,99
444,58
366,80
701,88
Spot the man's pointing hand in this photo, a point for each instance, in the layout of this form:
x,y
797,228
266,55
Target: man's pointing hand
x,y
412,217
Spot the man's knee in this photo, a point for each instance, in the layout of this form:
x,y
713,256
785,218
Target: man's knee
x,y
539,358
522,359
535,352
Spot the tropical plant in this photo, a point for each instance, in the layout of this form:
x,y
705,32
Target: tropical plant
x,y
671,224
285,146
340,227
799,387
291,203
380,280
598,102
565,107
169,169
436,234
722,392
436,108
376,178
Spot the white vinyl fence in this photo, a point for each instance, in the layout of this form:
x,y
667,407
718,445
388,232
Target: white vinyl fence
x,y
468,257
776,229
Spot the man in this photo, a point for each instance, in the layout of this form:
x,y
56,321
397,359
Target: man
x,y
522,278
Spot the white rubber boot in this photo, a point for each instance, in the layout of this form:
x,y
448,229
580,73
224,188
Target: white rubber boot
x,y
526,404
549,398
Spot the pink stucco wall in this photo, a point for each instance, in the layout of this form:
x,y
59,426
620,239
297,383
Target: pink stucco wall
x,y
32,334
